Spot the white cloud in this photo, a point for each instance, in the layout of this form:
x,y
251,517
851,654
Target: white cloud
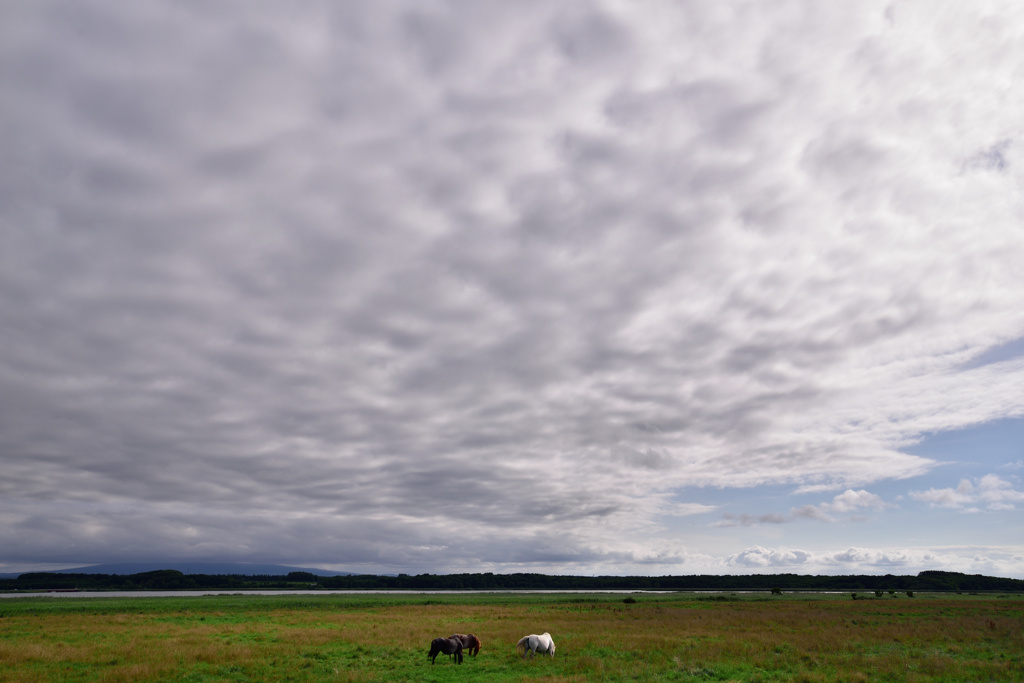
x,y
849,501
994,492
900,561
730,519
759,557
958,497
369,268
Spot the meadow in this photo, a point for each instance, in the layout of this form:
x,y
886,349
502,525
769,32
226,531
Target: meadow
x,y
599,637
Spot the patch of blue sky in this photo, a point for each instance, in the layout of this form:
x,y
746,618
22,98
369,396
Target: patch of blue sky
x,y
738,503
953,499
997,354
906,515
992,448
908,511
995,445
767,505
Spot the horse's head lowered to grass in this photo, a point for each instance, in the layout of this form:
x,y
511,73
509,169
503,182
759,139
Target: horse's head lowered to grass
x,y
534,643
470,643
447,646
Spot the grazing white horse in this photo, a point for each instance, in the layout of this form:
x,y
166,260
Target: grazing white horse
x,y
534,643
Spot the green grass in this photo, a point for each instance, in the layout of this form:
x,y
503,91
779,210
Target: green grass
x,y
675,637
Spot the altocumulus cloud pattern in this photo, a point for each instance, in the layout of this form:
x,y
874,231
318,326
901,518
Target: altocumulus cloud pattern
x,y
591,287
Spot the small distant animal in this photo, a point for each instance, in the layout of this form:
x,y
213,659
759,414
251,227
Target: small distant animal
x,y
534,643
470,643
447,646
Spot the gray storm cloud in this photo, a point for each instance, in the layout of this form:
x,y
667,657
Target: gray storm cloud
x,y
460,285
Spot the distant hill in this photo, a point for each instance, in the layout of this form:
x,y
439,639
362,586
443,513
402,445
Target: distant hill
x,y
209,568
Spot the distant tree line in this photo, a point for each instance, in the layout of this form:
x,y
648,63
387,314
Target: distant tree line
x,y
170,579
163,579
925,581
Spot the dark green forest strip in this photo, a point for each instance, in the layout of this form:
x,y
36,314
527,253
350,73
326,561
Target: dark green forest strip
x,y
170,579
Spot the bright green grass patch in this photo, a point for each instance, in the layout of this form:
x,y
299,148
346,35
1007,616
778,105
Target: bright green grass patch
x,y
674,637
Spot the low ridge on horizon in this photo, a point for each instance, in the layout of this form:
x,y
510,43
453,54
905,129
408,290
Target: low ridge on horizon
x,y
212,568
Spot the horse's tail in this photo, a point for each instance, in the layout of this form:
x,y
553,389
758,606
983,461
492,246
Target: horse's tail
x,y
523,643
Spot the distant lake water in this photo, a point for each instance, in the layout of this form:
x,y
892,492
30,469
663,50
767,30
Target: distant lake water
x,y
200,593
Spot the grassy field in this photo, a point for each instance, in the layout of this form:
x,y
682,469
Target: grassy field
x,y
677,637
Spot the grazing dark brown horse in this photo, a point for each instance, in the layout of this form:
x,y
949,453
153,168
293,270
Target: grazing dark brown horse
x,y
470,643
447,646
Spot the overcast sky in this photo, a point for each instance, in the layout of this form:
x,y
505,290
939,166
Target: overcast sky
x,y
625,287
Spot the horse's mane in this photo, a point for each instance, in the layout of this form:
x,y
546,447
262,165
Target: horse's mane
x,y
523,644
